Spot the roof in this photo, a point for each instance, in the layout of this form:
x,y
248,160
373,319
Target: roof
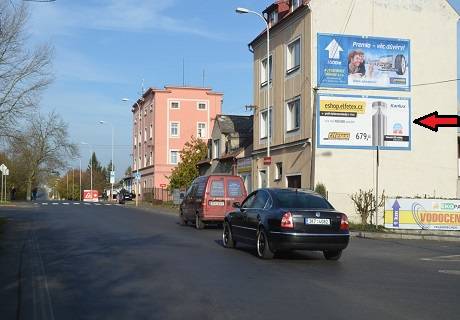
x,y
233,123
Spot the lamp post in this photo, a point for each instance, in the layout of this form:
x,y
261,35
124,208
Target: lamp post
x,y
112,172
137,160
80,179
91,163
243,11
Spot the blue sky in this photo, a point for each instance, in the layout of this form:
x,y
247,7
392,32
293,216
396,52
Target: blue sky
x,y
105,48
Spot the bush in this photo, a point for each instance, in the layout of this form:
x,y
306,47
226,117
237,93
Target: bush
x,y
321,189
365,204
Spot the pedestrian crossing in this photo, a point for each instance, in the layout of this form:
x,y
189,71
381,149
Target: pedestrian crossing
x,y
75,204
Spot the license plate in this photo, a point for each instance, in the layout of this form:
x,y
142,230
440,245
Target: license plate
x,y
216,203
317,221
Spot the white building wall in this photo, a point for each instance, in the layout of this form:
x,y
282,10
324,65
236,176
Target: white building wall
x,y
430,167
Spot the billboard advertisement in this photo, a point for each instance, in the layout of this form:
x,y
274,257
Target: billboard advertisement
x,y
363,122
346,61
426,214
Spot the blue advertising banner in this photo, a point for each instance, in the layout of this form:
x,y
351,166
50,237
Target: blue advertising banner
x,y
360,62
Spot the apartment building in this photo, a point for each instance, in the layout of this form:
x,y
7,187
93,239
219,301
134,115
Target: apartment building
x,y
163,121
346,80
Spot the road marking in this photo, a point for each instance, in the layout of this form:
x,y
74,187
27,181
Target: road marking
x,y
97,204
76,203
87,204
455,257
107,204
44,204
66,203
453,272
55,203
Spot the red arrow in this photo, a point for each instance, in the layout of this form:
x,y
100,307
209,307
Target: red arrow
x,y
432,121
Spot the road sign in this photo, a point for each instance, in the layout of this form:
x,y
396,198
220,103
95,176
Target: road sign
x,y
3,168
137,176
267,161
7,172
90,195
112,177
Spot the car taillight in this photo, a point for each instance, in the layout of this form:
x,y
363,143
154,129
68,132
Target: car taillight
x,y
287,221
344,222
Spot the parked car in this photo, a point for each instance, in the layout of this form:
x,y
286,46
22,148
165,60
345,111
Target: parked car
x,y
209,198
124,195
287,219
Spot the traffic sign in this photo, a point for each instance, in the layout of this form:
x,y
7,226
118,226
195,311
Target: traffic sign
x,y
137,176
267,161
90,195
3,168
112,177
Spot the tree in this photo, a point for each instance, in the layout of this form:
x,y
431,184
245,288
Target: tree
x,y
194,151
366,205
128,171
100,178
42,148
23,72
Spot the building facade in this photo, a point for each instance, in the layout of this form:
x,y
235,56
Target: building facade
x,y
326,112
163,121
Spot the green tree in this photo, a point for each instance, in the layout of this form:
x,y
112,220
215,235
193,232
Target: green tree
x,y
194,151
100,179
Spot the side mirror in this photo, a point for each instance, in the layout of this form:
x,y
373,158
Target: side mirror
x,y
236,205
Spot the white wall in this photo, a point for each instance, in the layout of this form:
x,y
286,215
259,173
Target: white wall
x,y
431,166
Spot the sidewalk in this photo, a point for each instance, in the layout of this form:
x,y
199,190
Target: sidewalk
x,y
453,236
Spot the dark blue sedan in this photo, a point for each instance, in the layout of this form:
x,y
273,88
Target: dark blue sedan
x,y
287,219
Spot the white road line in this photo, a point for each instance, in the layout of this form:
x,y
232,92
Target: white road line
x,y
87,204
97,204
76,203
453,272
454,257
66,203
44,203
107,204
55,203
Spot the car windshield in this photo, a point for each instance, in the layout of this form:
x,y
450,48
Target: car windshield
x,y
301,200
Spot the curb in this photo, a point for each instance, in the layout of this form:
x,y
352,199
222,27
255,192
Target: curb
x,y
402,236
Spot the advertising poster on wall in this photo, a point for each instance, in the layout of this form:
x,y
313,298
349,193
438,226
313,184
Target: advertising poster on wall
x,y
346,61
426,214
363,122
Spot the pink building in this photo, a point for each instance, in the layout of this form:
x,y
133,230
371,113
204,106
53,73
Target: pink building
x,y
163,121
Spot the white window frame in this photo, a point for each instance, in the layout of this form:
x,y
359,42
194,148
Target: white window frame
x,y
291,114
216,146
171,104
263,71
204,130
145,134
290,61
171,127
202,102
171,151
151,132
263,125
295,4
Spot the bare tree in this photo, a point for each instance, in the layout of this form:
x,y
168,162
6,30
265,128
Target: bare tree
x,y
24,73
44,146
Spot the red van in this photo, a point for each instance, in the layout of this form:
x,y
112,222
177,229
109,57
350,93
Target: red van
x,y
209,198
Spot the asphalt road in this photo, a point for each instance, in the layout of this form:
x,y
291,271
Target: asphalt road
x,y
111,262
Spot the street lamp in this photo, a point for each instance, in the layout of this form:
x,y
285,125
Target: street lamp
x,y
91,162
244,11
137,160
112,180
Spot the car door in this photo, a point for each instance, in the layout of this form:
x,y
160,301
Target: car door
x,y
255,214
189,204
239,227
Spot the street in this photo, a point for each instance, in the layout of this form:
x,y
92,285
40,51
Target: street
x,y
116,262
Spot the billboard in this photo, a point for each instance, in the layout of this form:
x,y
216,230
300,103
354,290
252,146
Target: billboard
x,y
363,122
346,61
427,214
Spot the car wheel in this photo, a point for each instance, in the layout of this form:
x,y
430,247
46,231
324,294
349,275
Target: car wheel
x,y
227,237
199,224
332,255
182,220
400,64
263,249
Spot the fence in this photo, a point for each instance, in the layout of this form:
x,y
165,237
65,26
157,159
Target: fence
x,y
157,195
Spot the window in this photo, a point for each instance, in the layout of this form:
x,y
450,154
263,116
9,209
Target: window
x,y
140,162
262,178
175,105
279,171
174,157
174,129
273,18
151,158
264,123
151,131
201,130
301,200
145,134
216,148
145,160
140,136
135,165
202,106
293,56
234,188
217,188
295,4
260,200
293,115
263,71
135,140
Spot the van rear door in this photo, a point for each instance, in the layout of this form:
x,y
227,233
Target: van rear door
x,y
235,192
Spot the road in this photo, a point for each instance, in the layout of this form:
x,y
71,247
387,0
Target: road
x,y
114,262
